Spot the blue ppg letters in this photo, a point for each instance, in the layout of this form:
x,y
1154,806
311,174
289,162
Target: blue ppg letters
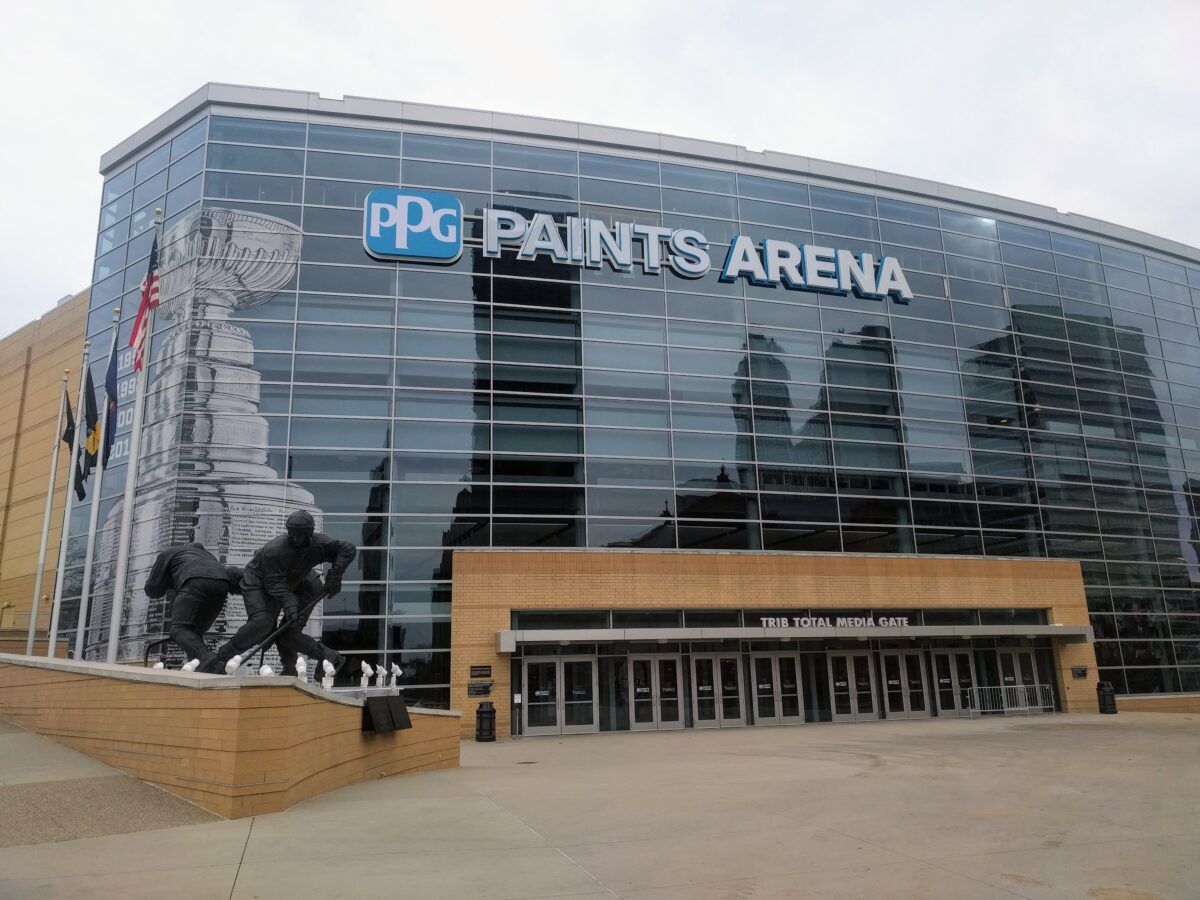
x,y
418,225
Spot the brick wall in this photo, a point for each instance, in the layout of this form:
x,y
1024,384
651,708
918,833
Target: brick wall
x,y
236,751
1169,703
32,360
489,584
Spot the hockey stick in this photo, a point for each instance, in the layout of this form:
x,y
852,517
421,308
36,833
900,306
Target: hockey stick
x,y
150,646
235,663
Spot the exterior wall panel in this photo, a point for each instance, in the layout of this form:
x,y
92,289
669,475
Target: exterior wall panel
x,y
32,361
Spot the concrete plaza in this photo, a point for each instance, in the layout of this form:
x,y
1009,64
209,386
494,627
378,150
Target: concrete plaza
x,y
1103,807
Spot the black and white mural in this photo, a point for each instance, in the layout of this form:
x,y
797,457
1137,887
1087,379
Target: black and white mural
x,y
204,473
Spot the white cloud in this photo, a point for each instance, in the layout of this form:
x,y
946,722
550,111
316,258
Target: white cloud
x,y
1084,106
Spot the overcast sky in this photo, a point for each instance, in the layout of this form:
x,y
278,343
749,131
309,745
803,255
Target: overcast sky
x,y
1089,107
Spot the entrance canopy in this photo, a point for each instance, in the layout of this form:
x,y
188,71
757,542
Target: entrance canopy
x,y
508,640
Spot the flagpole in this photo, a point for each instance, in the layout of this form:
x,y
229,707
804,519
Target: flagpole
x,y
135,447
94,515
66,524
46,516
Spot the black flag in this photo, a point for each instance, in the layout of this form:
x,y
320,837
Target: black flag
x,y
90,448
110,409
68,435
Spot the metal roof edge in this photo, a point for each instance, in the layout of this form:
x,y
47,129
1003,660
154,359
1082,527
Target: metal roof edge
x,y
559,129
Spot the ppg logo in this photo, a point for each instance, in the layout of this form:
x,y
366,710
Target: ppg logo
x,y
415,225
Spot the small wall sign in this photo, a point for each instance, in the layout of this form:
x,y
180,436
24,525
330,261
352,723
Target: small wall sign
x,y
481,671
838,622
479,689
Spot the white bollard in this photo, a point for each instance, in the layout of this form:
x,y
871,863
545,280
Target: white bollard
x,y
191,665
233,665
266,670
301,667
396,673
327,676
380,676
159,665
364,680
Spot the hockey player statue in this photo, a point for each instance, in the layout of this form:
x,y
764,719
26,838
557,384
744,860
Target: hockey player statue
x,y
199,584
270,582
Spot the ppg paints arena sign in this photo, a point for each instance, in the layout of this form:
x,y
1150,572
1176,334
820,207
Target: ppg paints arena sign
x,y
839,622
427,226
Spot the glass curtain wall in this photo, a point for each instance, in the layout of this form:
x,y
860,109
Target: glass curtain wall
x,y
1040,396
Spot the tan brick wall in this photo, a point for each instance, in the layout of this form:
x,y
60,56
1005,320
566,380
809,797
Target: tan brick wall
x,y
489,584
1166,703
32,361
236,752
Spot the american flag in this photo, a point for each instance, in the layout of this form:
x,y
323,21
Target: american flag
x,y
141,325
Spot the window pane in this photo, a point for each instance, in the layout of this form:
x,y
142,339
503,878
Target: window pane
x,y
363,168
903,211
429,146
224,185
699,179
256,159
256,131
621,167
471,178
536,184
772,189
356,140
547,159
842,201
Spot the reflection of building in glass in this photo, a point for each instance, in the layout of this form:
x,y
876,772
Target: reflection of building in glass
x,y
864,415
791,445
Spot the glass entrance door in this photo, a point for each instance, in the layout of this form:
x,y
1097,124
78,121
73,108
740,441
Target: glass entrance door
x,y
669,687
852,687
641,690
717,698
654,688
778,699
904,694
1018,680
560,695
578,680
954,682
541,697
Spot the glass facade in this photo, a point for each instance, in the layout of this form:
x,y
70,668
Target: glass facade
x,y
1039,396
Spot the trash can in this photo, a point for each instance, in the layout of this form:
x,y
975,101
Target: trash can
x,y
485,722
1106,694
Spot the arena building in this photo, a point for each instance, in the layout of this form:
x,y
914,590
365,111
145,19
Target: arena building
x,y
636,431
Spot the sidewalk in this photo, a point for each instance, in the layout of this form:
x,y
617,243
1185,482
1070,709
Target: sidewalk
x,y
1047,807
49,792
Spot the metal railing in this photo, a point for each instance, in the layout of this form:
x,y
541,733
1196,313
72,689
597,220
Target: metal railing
x,y
1019,699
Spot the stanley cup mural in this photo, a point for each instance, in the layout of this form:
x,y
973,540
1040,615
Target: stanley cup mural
x,y
204,473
